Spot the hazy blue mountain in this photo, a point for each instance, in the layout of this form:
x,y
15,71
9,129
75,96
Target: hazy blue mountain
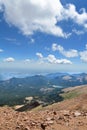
x,y
54,75
14,90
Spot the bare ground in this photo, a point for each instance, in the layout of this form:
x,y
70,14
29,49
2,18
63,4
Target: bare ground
x,y
66,115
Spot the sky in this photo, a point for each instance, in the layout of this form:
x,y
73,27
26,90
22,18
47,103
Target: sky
x,y
41,36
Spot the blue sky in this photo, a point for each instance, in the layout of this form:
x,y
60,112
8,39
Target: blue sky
x,y
43,36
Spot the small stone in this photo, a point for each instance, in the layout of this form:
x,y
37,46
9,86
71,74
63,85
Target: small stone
x,y
54,113
77,114
85,114
33,123
17,127
25,119
66,113
43,126
49,122
27,128
60,118
49,118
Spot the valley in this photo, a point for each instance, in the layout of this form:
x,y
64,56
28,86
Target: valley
x,y
43,88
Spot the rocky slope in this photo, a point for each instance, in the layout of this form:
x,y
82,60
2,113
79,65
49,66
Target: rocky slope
x,y
70,114
43,120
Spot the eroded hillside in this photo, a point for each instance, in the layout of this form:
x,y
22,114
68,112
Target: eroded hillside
x,y
70,114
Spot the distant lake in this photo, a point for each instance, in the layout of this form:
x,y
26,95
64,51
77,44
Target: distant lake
x,y
56,86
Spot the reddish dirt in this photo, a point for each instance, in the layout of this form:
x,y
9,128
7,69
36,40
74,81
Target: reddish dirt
x,y
60,116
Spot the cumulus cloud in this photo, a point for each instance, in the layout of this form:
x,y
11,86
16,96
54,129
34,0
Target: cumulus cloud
x,y
67,53
30,16
56,47
53,60
78,32
78,17
39,55
41,15
9,59
83,56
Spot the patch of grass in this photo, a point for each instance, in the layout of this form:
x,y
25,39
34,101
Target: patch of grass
x,y
69,95
37,108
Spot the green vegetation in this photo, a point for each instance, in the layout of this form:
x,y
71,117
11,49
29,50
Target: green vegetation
x,y
15,90
70,94
73,92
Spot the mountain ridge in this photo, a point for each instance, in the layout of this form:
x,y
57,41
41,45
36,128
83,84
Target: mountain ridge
x,y
44,87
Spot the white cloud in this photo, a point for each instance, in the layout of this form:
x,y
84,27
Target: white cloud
x,y
53,60
78,32
30,16
56,47
39,55
9,59
41,15
78,17
70,53
83,56
1,50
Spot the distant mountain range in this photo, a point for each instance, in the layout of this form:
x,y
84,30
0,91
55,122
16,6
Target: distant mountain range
x,y
42,87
